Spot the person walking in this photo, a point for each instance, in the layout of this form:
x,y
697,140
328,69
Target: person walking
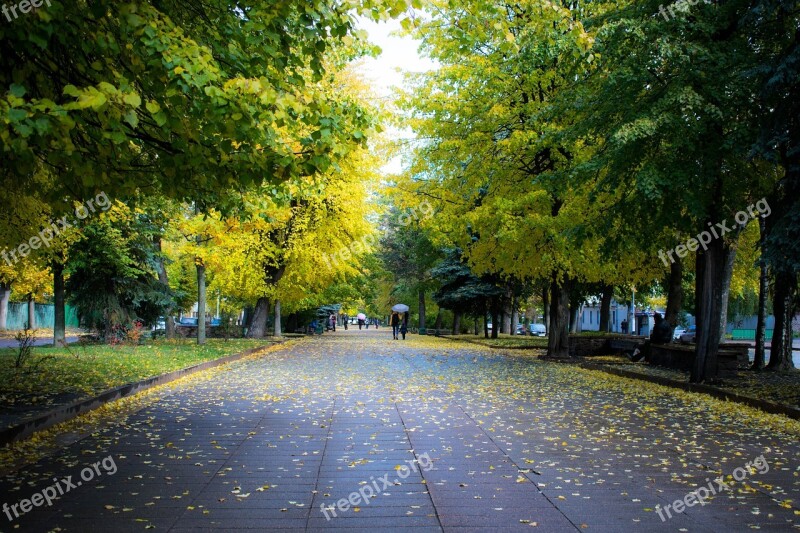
x,y
360,323
394,321
404,325
332,321
345,319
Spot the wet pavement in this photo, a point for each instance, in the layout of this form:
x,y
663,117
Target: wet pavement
x,y
358,432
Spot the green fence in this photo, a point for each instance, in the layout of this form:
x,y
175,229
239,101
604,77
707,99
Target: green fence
x,y
749,334
44,316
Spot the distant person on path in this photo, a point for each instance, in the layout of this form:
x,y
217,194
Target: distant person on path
x,y
345,319
360,323
404,325
394,321
624,326
332,321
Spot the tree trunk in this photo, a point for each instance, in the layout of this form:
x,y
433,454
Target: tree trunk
x,y
508,311
5,294
605,307
161,271
780,356
496,316
485,322
546,308
711,266
763,287
574,311
31,311
60,315
558,332
421,310
674,293
727,273
201,301
258,323
456,322
475,323
277,323
514,318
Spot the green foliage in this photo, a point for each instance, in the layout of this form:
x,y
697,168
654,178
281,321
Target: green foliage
x,y
111,278
140,94
461,290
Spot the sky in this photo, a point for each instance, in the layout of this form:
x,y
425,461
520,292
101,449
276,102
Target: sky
x,y
399,54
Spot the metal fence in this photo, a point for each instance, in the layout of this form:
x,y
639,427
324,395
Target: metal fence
x,y
44,316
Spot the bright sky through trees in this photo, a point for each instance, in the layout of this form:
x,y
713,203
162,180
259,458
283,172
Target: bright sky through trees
x,y
398,55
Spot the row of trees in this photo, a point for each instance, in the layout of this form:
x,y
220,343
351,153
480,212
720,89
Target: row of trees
x,y
231,138
565,144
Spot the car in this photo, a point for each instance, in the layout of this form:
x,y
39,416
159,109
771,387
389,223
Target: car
x,y
187,321
689,336
538,330
676,335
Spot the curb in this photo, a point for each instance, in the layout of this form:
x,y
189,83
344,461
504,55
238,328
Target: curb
x,y
74,409
763,405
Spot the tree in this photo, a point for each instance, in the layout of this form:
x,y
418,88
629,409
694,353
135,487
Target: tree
x,y
665,101
170,95
408,253
489,156
111,279
461,291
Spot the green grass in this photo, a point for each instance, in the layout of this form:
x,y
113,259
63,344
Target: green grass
x,y
82,371
506,341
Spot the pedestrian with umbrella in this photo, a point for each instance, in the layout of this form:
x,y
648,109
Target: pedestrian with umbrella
x,y
395,320
361,317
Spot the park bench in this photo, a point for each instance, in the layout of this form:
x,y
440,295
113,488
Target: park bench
x,y
622,345
730,358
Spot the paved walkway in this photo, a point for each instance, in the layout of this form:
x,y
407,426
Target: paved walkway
x,y
434,435
40,341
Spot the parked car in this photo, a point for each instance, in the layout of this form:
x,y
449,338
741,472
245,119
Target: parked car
x,y
689,336
187,321
538,330
676,335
